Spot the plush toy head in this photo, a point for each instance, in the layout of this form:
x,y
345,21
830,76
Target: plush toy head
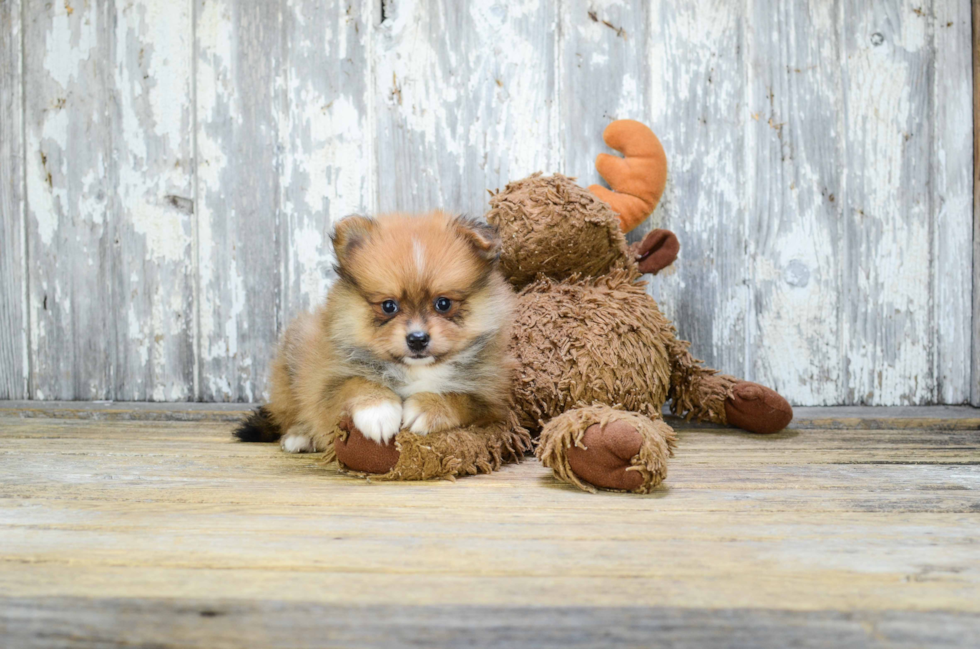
x,y
550,226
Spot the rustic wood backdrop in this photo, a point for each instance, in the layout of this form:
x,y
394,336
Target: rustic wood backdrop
x,y
170,169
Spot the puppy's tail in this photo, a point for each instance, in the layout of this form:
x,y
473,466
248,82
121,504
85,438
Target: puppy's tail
x,y
259,427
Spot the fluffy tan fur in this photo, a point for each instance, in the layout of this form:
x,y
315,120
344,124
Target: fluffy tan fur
x,y
350,357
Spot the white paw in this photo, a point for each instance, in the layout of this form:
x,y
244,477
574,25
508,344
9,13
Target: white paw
x,y
294,443
414,419
381,422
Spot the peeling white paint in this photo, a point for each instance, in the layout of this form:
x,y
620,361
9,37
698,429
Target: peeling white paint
x,y
820,170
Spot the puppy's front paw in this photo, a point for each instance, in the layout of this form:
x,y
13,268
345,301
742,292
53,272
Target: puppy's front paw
x,y
424,415
379,422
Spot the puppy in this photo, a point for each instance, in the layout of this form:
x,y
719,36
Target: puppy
x,y
413,336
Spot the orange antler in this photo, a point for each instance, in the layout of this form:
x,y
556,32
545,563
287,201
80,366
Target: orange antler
x,y
638,178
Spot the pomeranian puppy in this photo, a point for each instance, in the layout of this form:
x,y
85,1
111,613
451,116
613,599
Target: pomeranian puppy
x,y
413,336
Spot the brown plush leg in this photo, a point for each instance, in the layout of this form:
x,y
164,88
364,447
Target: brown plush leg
x,y
757,409
459,451
696,392
599,446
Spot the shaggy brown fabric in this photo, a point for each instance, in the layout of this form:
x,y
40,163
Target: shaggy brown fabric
x,y
550,226
588,340
696,392
757,409
456,452
595,465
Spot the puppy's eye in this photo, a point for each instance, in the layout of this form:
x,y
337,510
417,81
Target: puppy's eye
x,y
390,307
443,304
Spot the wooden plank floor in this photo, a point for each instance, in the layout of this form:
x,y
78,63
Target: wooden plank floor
x,y
855,528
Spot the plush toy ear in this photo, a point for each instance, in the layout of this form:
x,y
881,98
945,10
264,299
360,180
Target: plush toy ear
x,y
482,237
348,234
657,251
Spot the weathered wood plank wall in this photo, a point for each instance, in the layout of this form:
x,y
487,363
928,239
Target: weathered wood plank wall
x,y
170,171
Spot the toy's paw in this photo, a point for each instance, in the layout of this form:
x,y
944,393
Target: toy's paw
x,y
607,455
757,409
426,413
379,422
362,454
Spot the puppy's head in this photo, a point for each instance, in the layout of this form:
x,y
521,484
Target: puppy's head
x,y
418,289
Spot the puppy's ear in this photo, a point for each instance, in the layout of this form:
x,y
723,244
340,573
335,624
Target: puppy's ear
x,y
482,237
348,234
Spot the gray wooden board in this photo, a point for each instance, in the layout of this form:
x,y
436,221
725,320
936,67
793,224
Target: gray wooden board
x,y
598,38
72,243
325,139
13,263
887,326
109,192
697,57
240,88
951,208
52,622
975,383
465,99
793,185
150,109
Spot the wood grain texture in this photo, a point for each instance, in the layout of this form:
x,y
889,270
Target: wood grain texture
x,y
144,525
325,139
793,184
14,363
109,187
240,94
888,228
71,239
951,206
605,75
150,108
975,383
54,622
697,55
465,99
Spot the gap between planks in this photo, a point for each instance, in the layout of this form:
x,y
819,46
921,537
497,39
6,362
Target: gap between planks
x,y
829,417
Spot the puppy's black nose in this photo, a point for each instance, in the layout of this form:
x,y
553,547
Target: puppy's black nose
x,y
417,340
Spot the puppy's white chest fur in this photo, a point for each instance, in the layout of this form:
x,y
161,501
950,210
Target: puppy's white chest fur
x,y
428,378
